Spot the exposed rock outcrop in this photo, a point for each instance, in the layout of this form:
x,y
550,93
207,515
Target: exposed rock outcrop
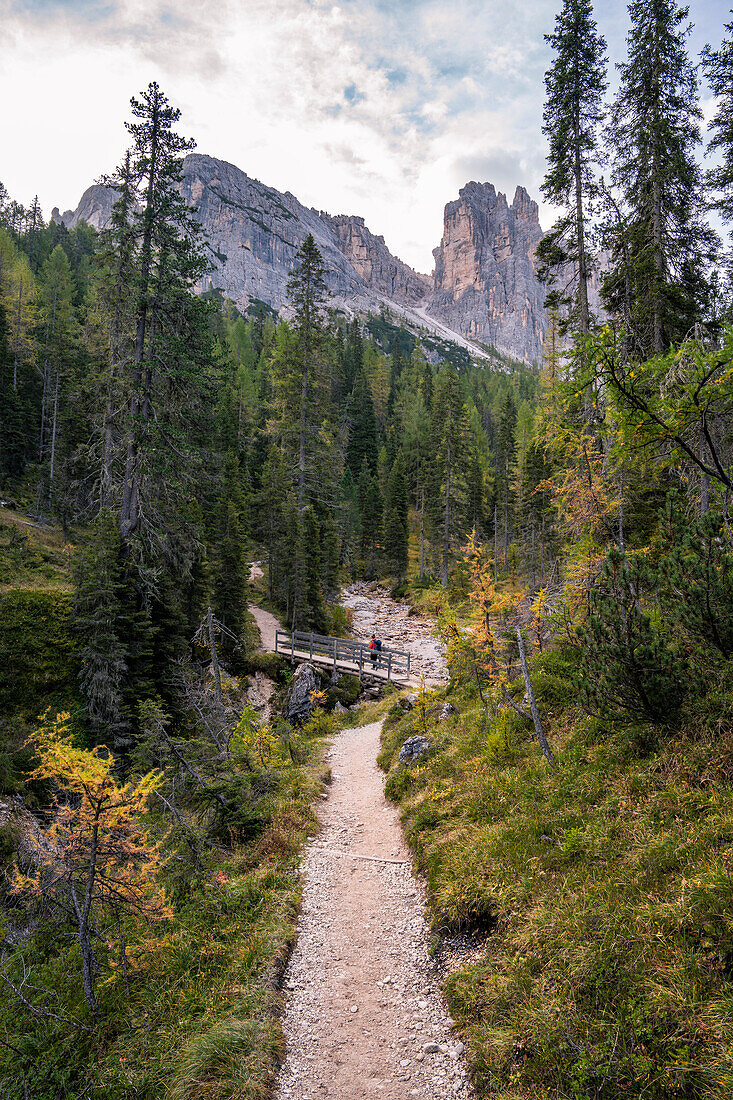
x,y
95,208
485,287
298,706
485,282
254,232
372,260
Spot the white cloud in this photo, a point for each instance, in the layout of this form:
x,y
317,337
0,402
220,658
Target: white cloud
x,y
378,107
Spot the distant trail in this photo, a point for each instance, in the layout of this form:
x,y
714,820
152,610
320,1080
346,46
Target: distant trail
x,y
267,624
365,1000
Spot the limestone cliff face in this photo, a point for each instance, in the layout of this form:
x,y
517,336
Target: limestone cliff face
x,y
485,281
372,260
253,233
484,289
95,208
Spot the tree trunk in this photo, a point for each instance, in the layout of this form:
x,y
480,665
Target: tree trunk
x,y
496,544
583,310
46,380
53,435
130,509
532,702
422,531
16,359
446,527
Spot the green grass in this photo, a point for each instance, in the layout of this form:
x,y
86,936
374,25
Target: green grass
x,y
32,556
201,1021
599,893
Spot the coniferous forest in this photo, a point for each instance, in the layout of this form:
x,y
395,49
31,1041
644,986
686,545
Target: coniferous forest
x,y
567,524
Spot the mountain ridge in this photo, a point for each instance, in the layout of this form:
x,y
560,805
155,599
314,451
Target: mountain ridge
x,y
484,289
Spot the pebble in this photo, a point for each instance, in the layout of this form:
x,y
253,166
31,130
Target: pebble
x,y
375,612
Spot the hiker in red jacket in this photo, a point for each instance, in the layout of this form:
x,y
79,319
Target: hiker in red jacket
x,y
373,651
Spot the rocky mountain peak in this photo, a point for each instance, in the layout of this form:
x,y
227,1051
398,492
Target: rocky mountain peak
x,y
484,287
485,281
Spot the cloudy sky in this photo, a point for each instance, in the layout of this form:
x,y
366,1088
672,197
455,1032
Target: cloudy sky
x,y
383,108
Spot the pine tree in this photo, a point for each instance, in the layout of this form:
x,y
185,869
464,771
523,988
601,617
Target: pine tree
x,y
506,447
573,110
396,530
301,374
370,526
57,293
656,284
363,444
171,342
450,436
98,612
718,68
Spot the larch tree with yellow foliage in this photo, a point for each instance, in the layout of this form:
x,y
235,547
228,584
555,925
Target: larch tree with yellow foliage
x,y
97,864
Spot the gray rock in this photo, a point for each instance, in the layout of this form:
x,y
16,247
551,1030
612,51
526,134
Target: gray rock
x,y
431,1048
413,749
486,284
298,705
408,701
340,709
446,711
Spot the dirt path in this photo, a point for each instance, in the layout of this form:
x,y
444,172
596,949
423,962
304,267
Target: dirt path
x,y
365,1016
267,624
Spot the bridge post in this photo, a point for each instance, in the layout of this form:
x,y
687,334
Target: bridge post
x,y
335,652
292,645
389,667
361,660
310,655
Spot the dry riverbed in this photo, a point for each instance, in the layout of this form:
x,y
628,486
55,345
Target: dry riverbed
x,y
376,612
365,1017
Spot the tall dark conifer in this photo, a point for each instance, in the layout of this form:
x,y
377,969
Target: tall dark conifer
x,y
363,444
575,85
659,239
718,68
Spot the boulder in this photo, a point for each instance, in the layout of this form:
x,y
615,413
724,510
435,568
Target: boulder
x,y
446,711
298,706
407,702
413,749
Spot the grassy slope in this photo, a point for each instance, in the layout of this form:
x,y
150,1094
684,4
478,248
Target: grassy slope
x,y
201,1017
600,891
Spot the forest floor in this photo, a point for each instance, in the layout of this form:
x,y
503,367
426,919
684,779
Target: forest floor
x,y
365,1016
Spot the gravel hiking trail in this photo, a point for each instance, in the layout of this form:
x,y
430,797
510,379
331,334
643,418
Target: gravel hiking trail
x,y
364,1015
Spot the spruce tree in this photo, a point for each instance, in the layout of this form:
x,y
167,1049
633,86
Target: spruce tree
x,y
159,246
363,444
656,285
302,368
718,68
396,530
575,84
506,449
450,442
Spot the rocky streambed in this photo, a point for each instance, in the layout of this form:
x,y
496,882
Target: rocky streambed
x,y
375,612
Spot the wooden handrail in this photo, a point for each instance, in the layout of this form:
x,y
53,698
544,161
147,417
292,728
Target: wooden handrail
x,y
305,645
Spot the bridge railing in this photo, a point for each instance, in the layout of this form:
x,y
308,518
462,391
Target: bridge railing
x,y
350,655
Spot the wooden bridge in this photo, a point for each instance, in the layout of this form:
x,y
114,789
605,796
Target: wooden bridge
x,y
344,655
